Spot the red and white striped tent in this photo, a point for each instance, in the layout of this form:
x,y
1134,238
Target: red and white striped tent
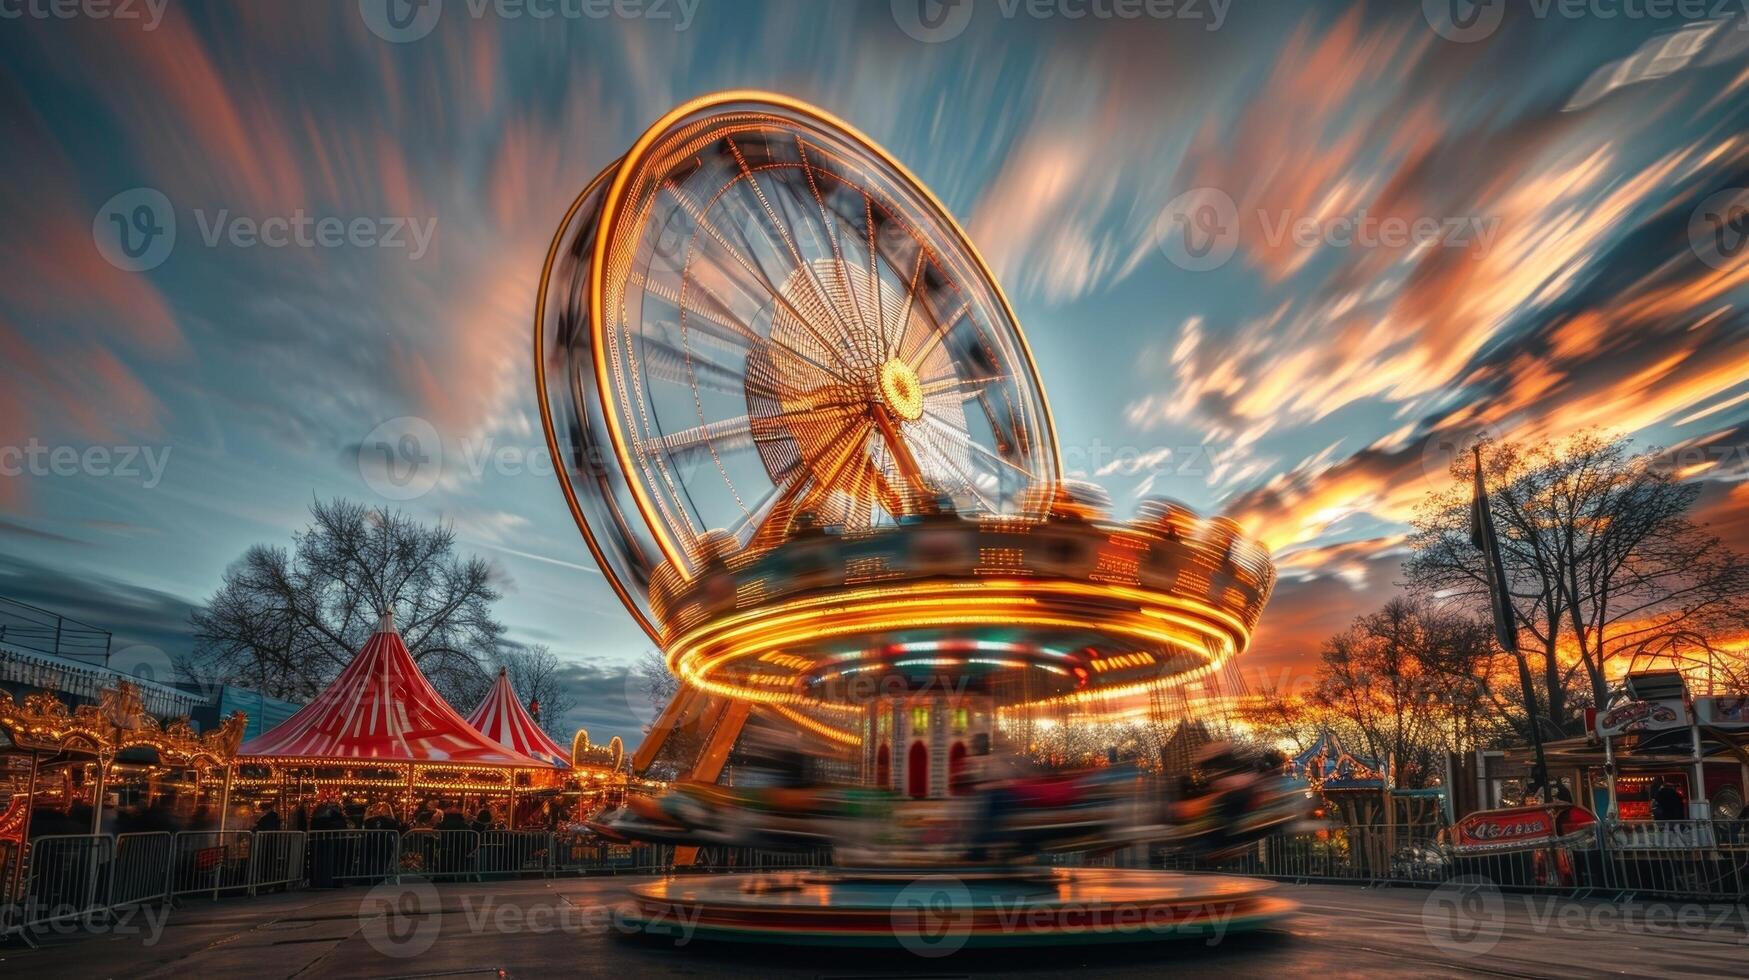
x,y
381,708
502,718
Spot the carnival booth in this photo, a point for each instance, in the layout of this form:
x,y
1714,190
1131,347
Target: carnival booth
x,y
502,718
381,734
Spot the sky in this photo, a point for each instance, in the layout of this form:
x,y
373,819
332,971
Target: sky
x,y
1274,260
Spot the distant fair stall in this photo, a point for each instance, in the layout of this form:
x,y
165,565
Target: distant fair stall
x,y
380,733
595,776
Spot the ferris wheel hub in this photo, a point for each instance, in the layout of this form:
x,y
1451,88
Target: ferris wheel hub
x,y
902,390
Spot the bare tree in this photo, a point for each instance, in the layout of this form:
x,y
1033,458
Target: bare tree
x,y
1602,561
1386,679
1278,718
285,622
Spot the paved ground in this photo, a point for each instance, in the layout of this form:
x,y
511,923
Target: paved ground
x,y
565,927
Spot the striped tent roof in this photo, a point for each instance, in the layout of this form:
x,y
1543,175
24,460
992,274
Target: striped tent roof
x,y
502,718
382,708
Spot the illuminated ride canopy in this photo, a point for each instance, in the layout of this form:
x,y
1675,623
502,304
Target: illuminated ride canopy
x,y
806,442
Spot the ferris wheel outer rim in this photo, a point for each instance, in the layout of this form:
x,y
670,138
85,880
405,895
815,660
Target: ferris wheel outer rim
x,y
546,419
597,272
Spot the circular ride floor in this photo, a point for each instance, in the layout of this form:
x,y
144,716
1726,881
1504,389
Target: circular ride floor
x,y
938,913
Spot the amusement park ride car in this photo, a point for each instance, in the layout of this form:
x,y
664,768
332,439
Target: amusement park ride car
x,y
807,445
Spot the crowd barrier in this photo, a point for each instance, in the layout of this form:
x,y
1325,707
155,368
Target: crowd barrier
x,y
74,877
1700,859
80,876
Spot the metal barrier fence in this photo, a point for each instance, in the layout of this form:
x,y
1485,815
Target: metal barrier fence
x,y
514,852
589,854
339,857
276,859
1676,859
140,873
211,862
439,854
78,876
69,878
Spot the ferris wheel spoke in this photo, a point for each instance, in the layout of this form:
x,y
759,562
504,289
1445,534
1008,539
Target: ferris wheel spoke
x,y
936,336
716,313
763,283
829,220
804,482
954,384
874,277
965,439
782,228
966,479
904,323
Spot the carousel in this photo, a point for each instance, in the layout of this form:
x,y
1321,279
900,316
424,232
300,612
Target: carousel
x,y
807,445
64,765
381,733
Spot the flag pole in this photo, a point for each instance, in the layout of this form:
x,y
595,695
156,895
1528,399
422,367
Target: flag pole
x,y
1506,618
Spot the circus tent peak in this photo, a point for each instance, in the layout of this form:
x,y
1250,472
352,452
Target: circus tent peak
x,y
502,718
382,708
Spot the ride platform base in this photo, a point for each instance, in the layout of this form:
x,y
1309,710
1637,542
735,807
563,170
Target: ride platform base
x,y
934,913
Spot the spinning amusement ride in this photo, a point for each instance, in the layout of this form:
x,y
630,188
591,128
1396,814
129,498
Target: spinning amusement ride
x,y
806,442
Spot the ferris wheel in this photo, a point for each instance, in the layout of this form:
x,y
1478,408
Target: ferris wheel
x,y
757,320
